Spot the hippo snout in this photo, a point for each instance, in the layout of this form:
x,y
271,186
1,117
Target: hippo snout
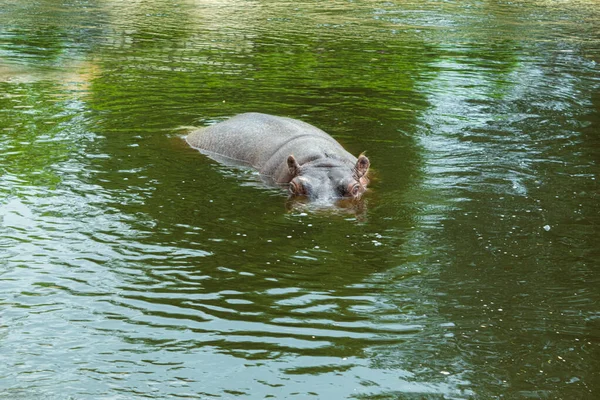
x,y
328,181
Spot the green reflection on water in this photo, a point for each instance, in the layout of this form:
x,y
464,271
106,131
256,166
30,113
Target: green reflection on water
x,y
32,138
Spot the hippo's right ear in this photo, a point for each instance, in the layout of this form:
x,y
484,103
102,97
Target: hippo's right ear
x,y
293,166
362,166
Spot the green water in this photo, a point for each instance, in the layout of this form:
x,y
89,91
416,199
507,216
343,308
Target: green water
x,y
133,267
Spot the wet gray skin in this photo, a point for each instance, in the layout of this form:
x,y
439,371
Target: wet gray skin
x,y
288,152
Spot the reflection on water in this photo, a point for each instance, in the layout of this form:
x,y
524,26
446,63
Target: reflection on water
x,y
134,267
520,202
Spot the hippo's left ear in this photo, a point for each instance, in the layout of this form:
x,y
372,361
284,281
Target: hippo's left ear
x,y
362,166
293,166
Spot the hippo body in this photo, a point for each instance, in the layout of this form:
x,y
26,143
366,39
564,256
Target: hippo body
x,y
287,151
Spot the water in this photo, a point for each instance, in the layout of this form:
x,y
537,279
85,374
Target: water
x,y
134,267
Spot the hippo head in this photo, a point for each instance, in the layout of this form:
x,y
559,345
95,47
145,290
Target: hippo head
x,y
328,179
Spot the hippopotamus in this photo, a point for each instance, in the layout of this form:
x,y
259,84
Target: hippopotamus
x,y
288,152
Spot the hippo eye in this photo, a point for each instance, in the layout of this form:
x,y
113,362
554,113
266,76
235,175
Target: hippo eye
x,y
296,188
354,189
293,187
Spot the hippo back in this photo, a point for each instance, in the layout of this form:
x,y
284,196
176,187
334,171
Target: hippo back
x,y
264,141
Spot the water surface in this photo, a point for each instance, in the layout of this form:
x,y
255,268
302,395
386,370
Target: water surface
x,y
134,267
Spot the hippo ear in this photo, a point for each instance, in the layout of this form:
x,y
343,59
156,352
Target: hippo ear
x,y
362,166
293,166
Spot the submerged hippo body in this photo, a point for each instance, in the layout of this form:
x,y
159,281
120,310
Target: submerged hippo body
x,y
287,151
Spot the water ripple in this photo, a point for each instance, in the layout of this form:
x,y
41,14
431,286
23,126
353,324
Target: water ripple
x,y
134,267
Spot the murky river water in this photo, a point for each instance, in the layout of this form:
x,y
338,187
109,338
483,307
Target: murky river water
x,y
134,267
